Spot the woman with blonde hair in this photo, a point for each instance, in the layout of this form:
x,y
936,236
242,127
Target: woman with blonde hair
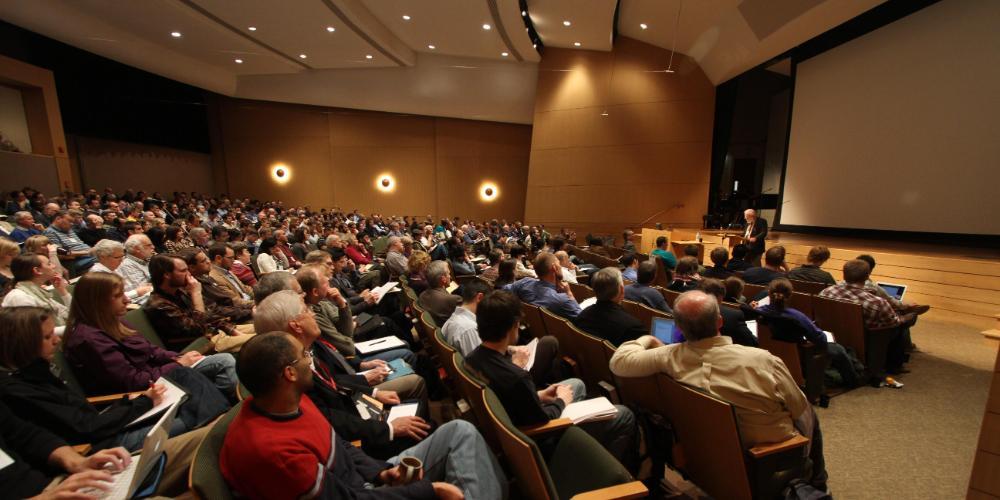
x,y
99,343
8,250
41,245
417,270
32,272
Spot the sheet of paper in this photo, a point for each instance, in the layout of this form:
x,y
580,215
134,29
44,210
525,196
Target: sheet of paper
x,y
588,302
590,410
752,325
452,287
403,410
384,289
763,302
829,336
5,460
377,345
172,395
532,348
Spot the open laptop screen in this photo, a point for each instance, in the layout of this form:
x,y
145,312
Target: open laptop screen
x,y
666,331
895,291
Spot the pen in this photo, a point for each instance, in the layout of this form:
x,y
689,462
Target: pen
x,y
377,342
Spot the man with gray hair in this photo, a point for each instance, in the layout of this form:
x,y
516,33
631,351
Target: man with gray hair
x,y
395,260
770,407
134,268
199,236
110,255
607,318
436,299
25,227
568,268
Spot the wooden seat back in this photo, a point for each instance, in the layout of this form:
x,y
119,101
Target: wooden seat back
x,y
559,328
661,279
750,291
593,355
803,302
787,351
844,320
581,292
470,387
668,295
640,312
808,287
707,432
533,319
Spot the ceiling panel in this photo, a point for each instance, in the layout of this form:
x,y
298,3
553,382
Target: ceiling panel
x,y
453,27
591,22
299,27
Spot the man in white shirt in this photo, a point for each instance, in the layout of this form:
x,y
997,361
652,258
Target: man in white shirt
x,y
460,330
134,269
568,267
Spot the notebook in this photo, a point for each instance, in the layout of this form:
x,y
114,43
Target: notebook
x,y
895,291
379,345
666,331
752,326
590,410
385,289
173,396
588,302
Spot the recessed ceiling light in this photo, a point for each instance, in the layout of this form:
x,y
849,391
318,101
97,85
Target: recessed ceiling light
x,y
238,61
331,29
643,25
368,56
406,17
534,45
566,23
504,54
252,28
487,27
175,34
524,13
576,44
302,56
431,47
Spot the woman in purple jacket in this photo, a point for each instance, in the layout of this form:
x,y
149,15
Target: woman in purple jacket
x,y
117,359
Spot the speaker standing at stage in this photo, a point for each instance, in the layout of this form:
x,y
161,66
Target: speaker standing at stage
x,y
756,232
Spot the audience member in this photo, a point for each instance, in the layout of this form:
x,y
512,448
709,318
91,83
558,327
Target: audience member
x,y
110,255
92,230
631,264
693,250
627,244
900,306
811,270
177,310
216,296
24,227
739,263
734,322
32,272
568,267
395,260
280,446
734,290
719,256
498,318
548,290
607,319
492,271
99,343
686,275
791,325
73,251
769,406
669,261
222,256
506,272
241,265
436,299
34,393
8,250
642,290
134,269
269,257
519,254
774,267
876,312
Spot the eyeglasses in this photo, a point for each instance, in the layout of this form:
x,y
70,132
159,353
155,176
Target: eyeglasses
x,y
306,354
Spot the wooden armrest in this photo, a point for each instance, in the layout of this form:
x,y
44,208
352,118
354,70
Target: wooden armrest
x,y
82,449
770,449
110,398
356,443
570,361
635,489
555,424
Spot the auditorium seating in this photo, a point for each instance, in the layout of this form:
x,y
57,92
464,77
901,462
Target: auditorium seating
x,y
205,478
581,292
138,320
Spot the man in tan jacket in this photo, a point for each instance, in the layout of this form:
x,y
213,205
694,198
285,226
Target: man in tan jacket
x,y
222,256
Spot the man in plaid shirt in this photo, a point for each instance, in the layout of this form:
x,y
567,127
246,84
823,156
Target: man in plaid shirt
x,y
876,311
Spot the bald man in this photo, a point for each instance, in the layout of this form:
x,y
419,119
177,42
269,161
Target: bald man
x,y
769,405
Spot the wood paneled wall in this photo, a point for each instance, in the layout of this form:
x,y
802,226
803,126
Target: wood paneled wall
x,y
617,140
335,157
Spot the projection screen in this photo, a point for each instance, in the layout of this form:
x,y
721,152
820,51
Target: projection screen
x,y
899,129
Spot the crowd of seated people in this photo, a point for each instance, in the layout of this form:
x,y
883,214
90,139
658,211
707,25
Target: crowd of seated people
x,y
263,303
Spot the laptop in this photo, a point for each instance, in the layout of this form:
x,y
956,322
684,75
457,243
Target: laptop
x,y
666,331
895,291
128,481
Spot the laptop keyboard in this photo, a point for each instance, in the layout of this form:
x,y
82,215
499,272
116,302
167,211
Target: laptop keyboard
x,y
121,481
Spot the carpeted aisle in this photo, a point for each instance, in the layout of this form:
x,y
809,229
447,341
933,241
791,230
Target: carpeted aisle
x,y
916,442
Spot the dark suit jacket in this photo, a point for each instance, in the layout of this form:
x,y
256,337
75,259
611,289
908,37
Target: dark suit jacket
x,y
734,325
759,232
611,322
439,303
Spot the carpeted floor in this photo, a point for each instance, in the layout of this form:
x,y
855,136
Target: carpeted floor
x,y
916,442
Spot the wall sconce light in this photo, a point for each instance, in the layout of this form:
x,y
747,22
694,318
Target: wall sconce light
x,y
280,173
488,191
385,183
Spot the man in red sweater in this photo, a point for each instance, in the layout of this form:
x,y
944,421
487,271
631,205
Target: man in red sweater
x,y
280,446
